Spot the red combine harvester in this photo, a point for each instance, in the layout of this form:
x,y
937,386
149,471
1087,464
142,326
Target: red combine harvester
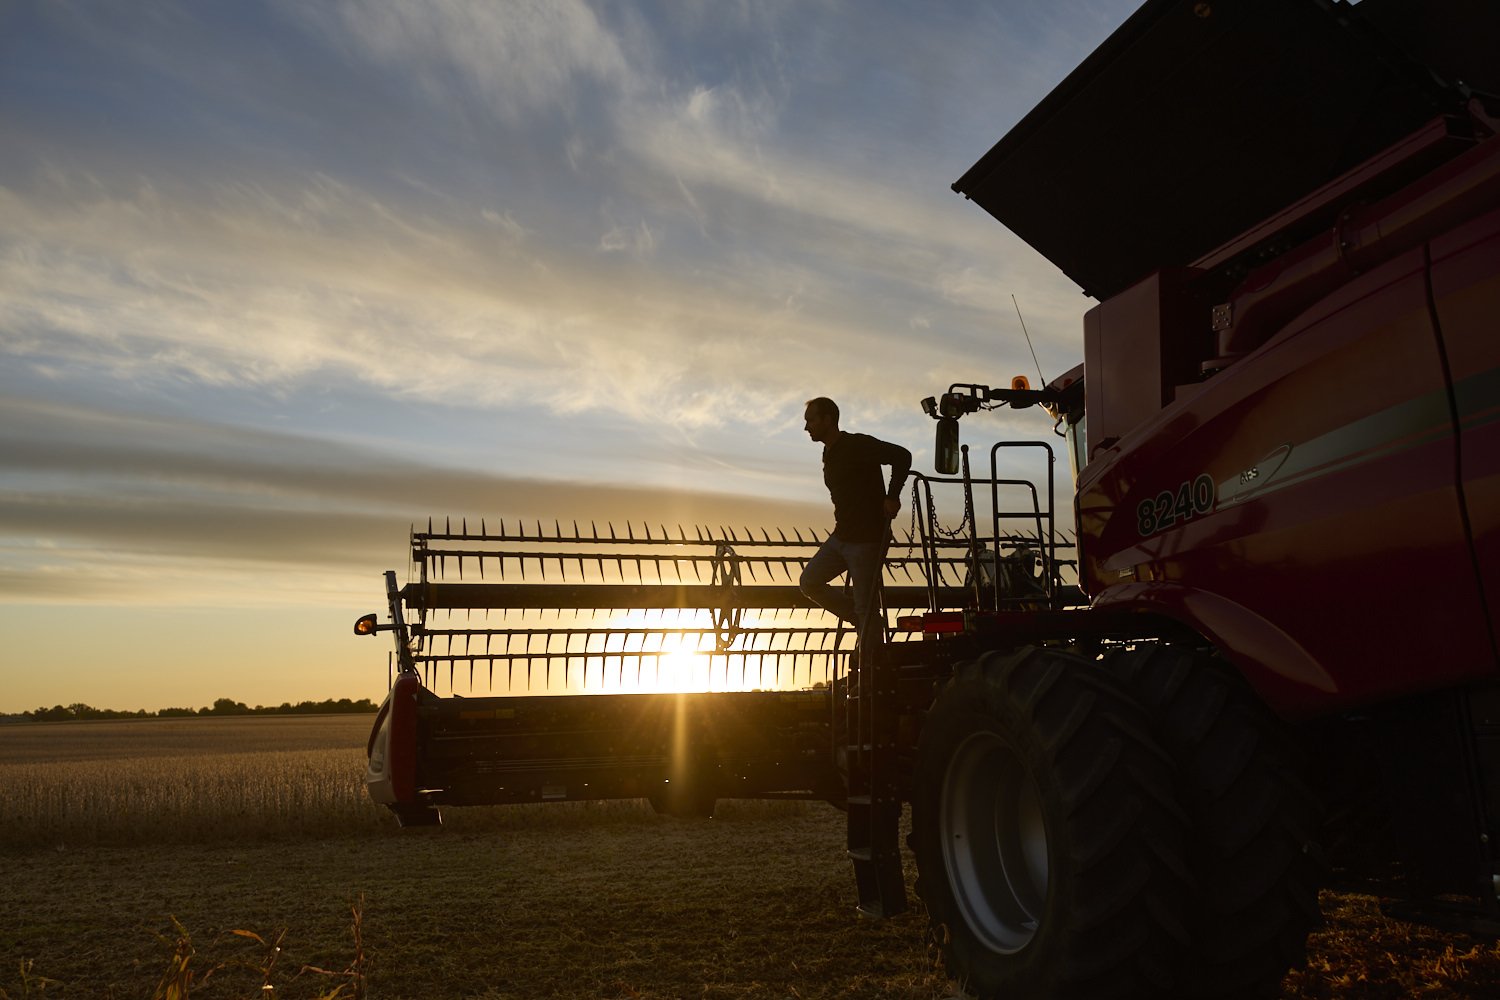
x,y
1285,440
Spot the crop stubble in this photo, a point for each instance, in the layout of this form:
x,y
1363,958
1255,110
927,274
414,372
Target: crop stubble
x,y
566,900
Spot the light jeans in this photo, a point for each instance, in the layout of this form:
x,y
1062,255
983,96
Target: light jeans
x,y
862,561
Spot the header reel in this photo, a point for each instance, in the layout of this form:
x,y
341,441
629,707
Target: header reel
x,y
528,609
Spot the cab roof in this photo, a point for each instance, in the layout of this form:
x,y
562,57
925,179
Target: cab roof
x,y
1198,118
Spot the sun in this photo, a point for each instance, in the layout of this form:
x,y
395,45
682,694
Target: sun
x,y
683,669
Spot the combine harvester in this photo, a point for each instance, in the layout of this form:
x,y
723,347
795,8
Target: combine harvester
x,y
1285,445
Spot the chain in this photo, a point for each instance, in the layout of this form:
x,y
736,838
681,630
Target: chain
x,y
935,530
911,527
939,531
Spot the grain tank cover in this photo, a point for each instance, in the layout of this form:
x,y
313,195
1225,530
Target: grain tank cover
x,y
1198,118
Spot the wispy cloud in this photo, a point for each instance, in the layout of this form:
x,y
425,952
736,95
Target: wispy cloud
x,y
116,492
512,60
704,251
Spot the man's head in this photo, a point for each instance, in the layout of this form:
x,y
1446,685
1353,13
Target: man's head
x,y
822,416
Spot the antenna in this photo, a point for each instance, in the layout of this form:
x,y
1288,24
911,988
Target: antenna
x,y
1028,342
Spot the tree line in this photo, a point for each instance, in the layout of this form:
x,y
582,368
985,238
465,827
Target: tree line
x,y
221,706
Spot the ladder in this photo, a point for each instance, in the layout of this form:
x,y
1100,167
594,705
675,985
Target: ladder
x,y
867,733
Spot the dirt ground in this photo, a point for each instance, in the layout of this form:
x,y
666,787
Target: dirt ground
x,y
609,902
625,905
566,900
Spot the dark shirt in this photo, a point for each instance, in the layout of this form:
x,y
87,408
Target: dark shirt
x,y
851,471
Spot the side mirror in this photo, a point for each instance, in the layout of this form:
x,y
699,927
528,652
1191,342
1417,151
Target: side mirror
x,y
945,452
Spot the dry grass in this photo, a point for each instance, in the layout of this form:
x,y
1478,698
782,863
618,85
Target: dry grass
x,y
173,781
581,903
215,797
242,868
1362,954
56,742
157,782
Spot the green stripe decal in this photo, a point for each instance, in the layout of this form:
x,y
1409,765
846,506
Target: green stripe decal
x,y
1416,422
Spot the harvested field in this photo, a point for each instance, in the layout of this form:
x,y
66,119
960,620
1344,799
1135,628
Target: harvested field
x,y
54,742
565,900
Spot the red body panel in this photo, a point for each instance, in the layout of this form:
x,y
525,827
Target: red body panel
x,y
403,737
1332,559
1466,291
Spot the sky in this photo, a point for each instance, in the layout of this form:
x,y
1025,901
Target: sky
x,y
280,279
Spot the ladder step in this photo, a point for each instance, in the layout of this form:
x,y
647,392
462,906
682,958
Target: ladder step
x,y
881,886
864,800
873,846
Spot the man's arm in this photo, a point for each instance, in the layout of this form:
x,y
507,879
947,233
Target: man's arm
x,y
899,459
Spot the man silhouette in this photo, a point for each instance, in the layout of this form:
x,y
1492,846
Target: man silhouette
x,y
863,506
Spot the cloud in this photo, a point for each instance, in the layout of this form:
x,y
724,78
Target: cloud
x,y
273,286
96,500
637,241
633,214
696,258
514,60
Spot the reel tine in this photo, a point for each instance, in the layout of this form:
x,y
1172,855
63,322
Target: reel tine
x,y
619,562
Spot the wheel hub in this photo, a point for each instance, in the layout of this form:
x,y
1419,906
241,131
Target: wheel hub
x,y
994,839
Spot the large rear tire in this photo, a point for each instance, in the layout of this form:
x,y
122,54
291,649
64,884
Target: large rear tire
x,y
1256,869
1049,844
